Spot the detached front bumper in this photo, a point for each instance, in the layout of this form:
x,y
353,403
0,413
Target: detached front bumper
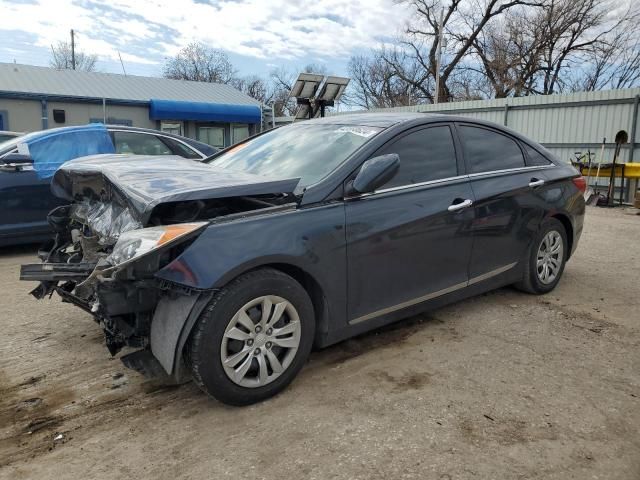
x,y
133,308
56,272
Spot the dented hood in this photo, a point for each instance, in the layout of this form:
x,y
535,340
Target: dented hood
x,y
143,182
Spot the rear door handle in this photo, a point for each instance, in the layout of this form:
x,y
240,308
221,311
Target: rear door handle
x,y
536,183
454,207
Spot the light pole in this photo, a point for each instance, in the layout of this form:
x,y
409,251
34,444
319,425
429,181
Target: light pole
x,y
439,55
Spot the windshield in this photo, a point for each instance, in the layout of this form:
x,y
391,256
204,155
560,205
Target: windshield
x,y
306,150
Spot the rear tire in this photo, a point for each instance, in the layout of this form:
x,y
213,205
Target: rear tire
x,y
546,259
253,338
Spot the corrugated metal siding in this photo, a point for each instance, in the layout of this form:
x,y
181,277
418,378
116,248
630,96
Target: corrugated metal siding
x,y
27,79
578,121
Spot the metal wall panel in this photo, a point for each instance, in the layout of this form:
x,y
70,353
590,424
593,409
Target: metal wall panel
x,y
564,123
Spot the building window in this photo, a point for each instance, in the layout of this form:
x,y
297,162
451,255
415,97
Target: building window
x,y
4,121
213,136
240,132
59,116
171,127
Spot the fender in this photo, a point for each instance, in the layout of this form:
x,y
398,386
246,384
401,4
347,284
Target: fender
x,y
172,322
306,238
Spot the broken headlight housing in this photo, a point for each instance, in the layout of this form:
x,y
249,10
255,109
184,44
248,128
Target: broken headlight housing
x,y
135,243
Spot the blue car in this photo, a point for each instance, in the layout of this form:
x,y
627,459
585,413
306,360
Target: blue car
x,y
28,162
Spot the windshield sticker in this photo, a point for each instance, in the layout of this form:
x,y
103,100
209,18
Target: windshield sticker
x,y
365,132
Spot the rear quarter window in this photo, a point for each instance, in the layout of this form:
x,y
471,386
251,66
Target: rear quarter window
x,y
535,158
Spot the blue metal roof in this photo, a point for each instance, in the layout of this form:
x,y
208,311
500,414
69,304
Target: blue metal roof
x,y
211,112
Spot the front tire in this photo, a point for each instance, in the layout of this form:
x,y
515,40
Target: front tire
x,y
253,338
546,259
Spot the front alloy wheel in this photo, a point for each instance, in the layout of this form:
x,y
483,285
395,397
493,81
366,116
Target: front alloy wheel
x,y
252,338
260,341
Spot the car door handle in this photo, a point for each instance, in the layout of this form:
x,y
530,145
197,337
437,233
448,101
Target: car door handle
x,y
454,207
536,183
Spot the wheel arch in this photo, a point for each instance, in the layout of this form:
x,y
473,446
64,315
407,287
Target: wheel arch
x,y
568,227
311,285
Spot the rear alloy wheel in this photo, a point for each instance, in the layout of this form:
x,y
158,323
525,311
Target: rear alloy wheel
x,y
550,257
546,258
253,337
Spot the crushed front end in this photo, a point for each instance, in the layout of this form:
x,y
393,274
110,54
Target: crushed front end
x,y
104,262
127,220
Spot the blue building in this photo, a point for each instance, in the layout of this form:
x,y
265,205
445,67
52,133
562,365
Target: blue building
x,y
35,98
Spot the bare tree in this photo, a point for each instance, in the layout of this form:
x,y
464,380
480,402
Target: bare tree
x,y
614,60
612,65
462,22
567,45
200,63
568,28
254,86
61,58
509,55
376,84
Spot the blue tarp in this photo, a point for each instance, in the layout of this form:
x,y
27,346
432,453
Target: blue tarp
x,y
51,149
208,112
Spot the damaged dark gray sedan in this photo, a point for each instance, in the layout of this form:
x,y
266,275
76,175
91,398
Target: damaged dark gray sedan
x,y
230,271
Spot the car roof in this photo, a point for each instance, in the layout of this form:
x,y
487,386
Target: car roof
x,y
375,119
387,119
204,148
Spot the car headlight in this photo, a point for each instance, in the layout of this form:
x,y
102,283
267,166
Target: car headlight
x,y
136,243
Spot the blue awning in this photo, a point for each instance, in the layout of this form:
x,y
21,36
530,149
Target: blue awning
x,y
208,112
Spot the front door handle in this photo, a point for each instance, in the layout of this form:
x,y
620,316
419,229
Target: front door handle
x,y
454,207
536,183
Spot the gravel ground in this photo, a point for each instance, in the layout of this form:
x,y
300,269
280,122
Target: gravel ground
x,y
505,385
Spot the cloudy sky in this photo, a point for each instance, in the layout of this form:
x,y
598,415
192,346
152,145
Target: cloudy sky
x,y
257,34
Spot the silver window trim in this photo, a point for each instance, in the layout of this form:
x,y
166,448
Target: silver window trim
x,y
432,295
509,170
452,179
159,134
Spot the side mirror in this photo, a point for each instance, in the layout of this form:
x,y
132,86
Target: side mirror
x,y
17,160
374,173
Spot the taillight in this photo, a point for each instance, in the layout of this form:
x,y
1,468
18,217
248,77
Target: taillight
x,y
580,182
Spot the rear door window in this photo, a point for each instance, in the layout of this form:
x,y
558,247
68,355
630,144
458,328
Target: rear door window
x,y
139,144
179,148
486,150
425,154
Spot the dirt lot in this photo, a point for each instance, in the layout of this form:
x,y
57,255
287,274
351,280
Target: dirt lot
x,y
505,385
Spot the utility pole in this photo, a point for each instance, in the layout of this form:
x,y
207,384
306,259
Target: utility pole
x,y
122,64
73,51
439,55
